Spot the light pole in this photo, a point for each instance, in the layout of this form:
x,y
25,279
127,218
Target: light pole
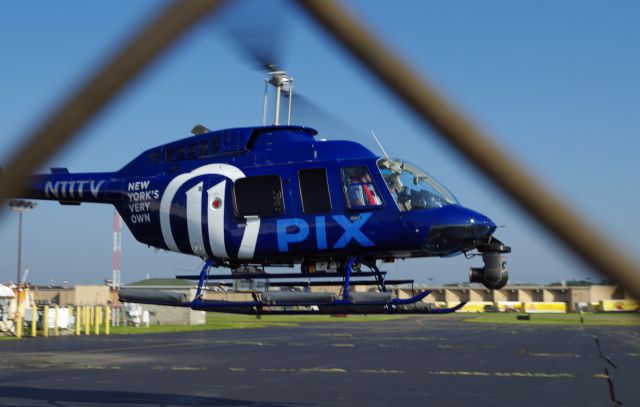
x,y
20,206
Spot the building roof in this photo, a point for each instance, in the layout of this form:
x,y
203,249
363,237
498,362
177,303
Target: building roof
x,y
162,282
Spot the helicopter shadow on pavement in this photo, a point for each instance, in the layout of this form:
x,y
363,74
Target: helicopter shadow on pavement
x,y
29,396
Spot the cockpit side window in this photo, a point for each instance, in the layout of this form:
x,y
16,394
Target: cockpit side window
x,y
359,189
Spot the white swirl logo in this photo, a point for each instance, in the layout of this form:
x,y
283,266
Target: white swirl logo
x,y
215,218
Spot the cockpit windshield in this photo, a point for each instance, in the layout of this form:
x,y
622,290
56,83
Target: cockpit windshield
x,y
412,188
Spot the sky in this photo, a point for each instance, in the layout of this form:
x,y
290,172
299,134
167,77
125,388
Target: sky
x,y
556,85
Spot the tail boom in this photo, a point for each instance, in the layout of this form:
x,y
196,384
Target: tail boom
x,y
73,189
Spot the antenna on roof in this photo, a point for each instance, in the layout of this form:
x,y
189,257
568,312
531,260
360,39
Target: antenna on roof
x,y
378,141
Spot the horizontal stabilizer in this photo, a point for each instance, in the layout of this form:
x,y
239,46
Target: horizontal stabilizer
x,y
148,296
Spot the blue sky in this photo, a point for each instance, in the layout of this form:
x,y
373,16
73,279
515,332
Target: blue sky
x,y
556,84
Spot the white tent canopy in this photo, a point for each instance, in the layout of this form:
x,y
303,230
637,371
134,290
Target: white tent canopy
x,y
6,292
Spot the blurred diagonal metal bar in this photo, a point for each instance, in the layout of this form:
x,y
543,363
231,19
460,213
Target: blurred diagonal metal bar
x,y
106,83
553,214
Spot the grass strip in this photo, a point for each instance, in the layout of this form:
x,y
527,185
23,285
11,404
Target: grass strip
x,y
234,321
588,319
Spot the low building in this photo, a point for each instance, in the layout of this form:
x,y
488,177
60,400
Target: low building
x,y
74,295
166,315
575,297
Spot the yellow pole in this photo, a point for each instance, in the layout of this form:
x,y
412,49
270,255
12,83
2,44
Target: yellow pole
x,y
98,312
92,317
45,321
107,320
87,320
56,330
78,319
34,321
19,319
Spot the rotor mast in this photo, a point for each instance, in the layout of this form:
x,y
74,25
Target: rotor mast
x,y
283,85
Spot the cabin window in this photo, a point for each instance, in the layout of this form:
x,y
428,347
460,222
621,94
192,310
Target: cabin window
x,y
154,155
261,195
359,189
215,145
182,154
193,151
314,190
204,148
169,154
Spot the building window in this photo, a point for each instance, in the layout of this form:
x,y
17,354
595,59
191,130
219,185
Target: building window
x,y
261,195
314,190
359,189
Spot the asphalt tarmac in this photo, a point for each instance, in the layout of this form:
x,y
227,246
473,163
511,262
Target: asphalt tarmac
x,y
425,360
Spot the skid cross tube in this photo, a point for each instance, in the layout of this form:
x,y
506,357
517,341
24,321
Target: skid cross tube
x,y
380,277
202,281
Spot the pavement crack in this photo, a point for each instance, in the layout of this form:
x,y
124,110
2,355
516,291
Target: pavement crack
x,y
612,389
602,355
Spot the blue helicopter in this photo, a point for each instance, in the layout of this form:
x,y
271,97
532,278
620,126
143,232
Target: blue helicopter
x,y
246,199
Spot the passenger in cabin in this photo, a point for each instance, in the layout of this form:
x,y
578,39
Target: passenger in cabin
x,y
371,198
360,188
356,195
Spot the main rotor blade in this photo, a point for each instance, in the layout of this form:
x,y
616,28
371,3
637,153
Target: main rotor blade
x,y
581,238
102,87
256,27
309,113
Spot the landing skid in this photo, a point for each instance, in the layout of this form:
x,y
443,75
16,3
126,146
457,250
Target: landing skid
x,y
258,308
297,303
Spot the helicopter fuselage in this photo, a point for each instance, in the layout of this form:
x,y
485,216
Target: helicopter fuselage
x,y
275,195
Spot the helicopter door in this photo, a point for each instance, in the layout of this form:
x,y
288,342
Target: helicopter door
x,y
314,191
258,196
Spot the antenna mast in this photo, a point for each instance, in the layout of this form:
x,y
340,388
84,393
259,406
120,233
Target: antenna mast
x,y
283,85
379,144
117,251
